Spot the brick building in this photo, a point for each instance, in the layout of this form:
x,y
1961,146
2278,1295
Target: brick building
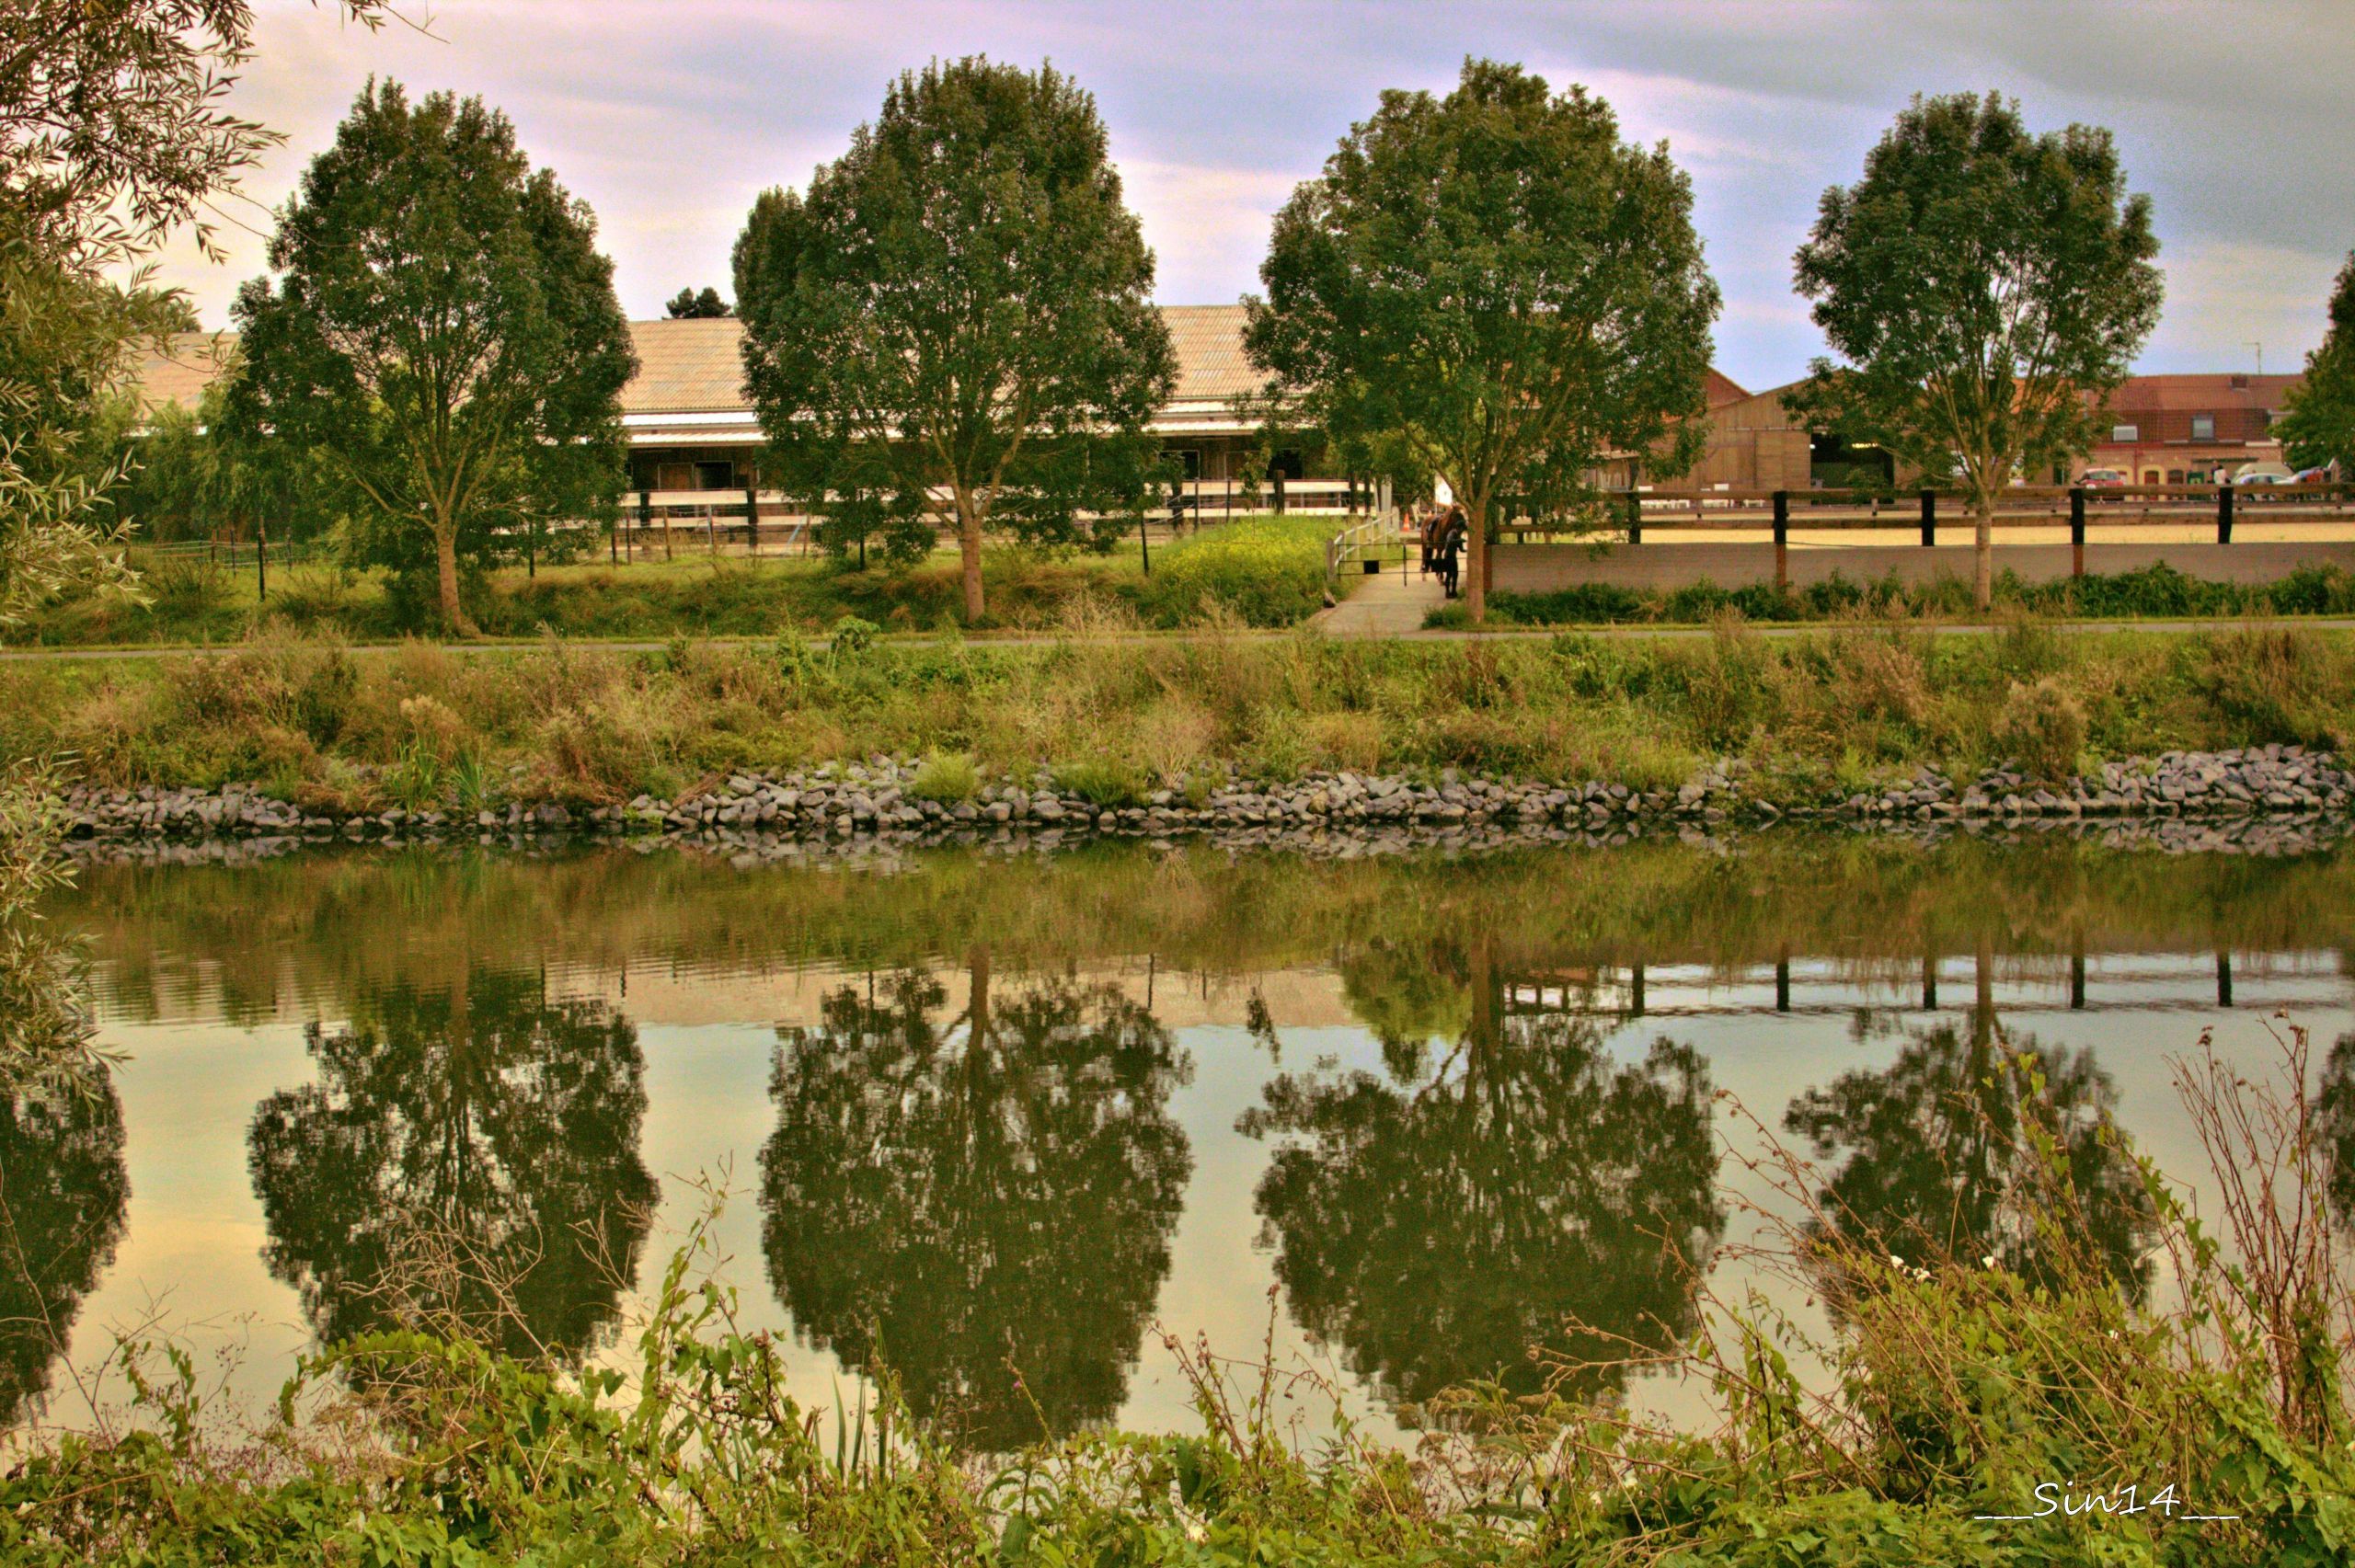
x,y
2186,429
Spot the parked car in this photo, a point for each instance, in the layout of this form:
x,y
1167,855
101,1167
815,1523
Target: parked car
x,y
2262,474
2102,479
2311,477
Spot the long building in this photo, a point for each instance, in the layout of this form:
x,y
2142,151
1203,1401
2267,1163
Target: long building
x,y
696,443
692,433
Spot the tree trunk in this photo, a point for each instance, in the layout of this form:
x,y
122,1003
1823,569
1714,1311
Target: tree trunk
x,y
1982,575
968,546
1475,549
445,560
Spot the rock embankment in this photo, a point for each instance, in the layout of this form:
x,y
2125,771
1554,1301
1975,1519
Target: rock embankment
x,y
2229,793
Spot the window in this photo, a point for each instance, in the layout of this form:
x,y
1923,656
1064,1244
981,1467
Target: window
x,y
720,475
2125,435
2175,475
2204,426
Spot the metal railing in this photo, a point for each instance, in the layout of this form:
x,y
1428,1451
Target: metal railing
x,y
1359,540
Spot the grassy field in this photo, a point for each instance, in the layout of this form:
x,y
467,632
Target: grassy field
x,y
1263,571
1839,709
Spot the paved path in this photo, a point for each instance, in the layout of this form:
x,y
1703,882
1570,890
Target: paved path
x,y
1391,603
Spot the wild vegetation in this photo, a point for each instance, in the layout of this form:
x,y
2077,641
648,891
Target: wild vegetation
x,y
1963,1409
1838,709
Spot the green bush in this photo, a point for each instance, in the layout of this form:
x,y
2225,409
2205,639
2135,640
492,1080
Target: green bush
x,y
1103,782
2043,727
1265,571
946,777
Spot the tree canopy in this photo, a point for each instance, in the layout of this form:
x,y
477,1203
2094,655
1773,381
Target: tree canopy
x,y
1984,289
1495,278
444,335
690,304
2318,427
952,324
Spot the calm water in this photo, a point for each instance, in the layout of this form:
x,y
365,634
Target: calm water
x,y
977,1113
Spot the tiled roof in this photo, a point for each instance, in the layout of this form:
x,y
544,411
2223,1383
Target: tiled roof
x,y
685,366
183,368
1211,365
693,366
2202,394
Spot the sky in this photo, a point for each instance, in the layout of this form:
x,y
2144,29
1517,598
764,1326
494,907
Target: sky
x,y
668,116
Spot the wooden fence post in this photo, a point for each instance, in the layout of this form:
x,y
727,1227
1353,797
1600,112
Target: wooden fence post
x,y
2223,514
645,516
1929,518
2077,530
261,559
1782,542
1634,517
752,521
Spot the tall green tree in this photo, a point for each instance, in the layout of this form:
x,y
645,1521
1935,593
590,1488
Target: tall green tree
x,y
955,316
113,134
1495,277
444,334
1984,289
2318,427
691,305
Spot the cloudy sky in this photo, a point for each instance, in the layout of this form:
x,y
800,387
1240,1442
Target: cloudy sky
x,y
667,116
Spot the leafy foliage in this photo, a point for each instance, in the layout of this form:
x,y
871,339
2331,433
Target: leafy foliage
x,y
952,324
444,337
690,304
1496,280
2317,427
1934,1152
1267,571
1984,289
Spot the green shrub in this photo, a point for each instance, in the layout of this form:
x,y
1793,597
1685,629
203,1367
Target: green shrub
x,y
851,637
2042,727
1106,782
1267,571
946,777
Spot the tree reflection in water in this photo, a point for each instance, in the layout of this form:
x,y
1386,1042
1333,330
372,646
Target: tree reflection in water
x,y
63,1193
2335,1122
982,1205
468,1158
1936,1154
1518,1189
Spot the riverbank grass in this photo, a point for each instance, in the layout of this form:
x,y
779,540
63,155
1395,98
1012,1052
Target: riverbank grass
x,y
1841,710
